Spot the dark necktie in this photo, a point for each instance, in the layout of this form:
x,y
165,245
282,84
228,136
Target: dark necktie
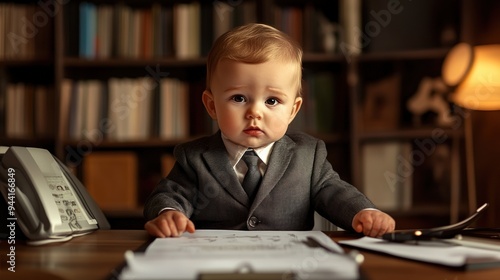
x,y
252,177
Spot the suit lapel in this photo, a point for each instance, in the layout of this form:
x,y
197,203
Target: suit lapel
x,y
277,165
218,162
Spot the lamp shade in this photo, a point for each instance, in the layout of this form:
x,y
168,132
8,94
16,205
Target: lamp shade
x,y
474,72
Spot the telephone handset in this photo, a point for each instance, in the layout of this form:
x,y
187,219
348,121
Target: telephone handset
x,y
44,198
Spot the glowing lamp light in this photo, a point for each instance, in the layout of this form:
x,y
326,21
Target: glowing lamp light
x,y
474,72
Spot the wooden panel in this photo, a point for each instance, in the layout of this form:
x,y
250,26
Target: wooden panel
x,y
486,134
111,179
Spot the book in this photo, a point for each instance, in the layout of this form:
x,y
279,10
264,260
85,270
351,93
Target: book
x,y
167,32
142,98
111,179
15,111
78,110
323,90
28,129
157,30
44,111
174,117
28,50
64,108
88,30
93,108
311,29
187,29
194,30
122,30
319,96
290,21
146,34
387,174
105,18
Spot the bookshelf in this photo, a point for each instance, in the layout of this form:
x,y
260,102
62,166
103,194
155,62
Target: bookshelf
x,y
144,43
408,162
26,75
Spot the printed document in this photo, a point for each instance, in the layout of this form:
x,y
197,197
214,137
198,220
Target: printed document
x,y
442,252
306,254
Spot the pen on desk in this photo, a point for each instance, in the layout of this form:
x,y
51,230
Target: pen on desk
x,y
352,254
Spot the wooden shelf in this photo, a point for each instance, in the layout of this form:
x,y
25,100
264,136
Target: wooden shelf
x,y
27,142
149,143
408,134
23,62
129,62
322,58
176,62
404,55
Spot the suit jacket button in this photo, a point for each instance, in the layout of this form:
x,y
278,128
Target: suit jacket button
x,y
253,221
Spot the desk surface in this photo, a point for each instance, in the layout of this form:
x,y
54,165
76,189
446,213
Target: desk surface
x,y
96,255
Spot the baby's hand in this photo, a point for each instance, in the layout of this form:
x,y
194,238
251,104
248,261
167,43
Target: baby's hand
x,y
169,223
373,223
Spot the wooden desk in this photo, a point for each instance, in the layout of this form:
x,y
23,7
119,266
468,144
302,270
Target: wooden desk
x,y
96,255
92,256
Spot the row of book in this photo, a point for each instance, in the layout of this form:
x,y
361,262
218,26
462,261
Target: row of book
x,y
320,96
26,110
124,109
182,30
138,109
25,32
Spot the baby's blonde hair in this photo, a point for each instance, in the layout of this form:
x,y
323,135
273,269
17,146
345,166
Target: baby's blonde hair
x,y
255,43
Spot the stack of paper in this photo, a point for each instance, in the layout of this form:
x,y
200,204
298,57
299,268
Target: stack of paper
x,y
306,254
442,252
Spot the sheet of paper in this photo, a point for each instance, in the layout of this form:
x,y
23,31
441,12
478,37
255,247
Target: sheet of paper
x,y
215,251
438,252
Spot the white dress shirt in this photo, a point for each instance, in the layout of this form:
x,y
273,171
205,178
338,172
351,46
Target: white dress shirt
x,y
236,152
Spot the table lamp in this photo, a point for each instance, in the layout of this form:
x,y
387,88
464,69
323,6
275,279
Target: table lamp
x,y
473,73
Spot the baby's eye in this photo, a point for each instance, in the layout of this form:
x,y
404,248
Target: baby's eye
x,y
272,101
238,98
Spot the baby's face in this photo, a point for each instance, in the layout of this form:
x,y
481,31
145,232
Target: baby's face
x,y
253,103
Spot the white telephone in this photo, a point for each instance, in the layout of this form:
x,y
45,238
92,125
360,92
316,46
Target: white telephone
x,y
43,198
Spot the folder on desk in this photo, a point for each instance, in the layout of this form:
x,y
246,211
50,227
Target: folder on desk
x,y
441,252
281,254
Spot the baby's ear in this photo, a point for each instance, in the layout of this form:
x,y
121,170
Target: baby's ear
x,y
296,108
208,100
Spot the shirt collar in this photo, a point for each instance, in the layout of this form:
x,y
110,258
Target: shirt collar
x,y
236,151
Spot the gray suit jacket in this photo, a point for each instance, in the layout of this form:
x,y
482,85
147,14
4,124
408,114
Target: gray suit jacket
x,y
298,181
